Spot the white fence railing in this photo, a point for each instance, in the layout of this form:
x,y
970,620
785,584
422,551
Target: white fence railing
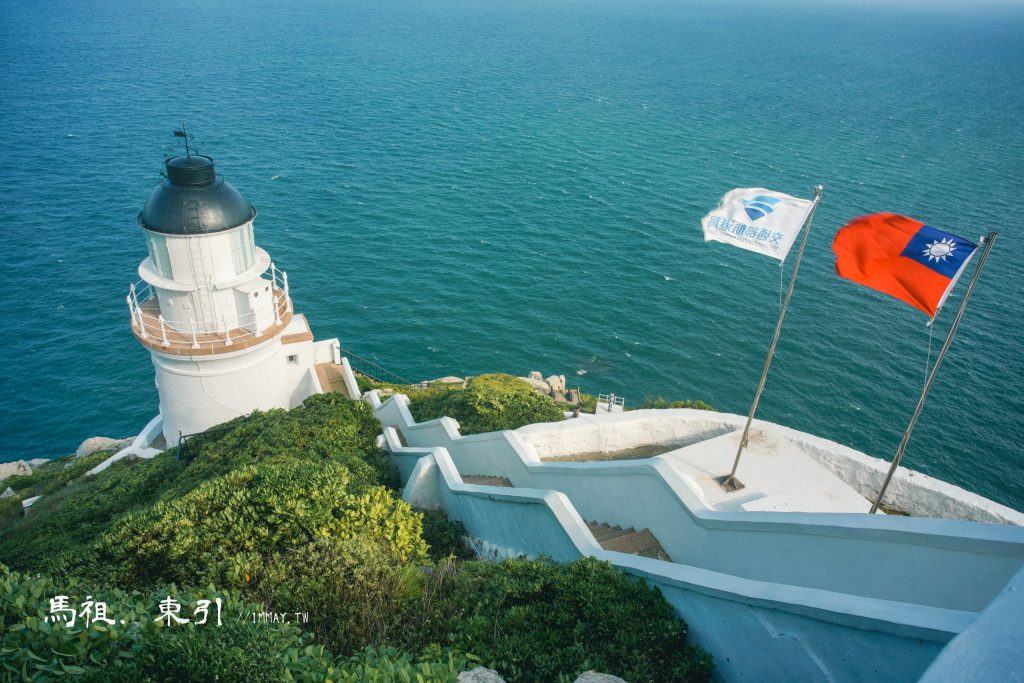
x,y
149,323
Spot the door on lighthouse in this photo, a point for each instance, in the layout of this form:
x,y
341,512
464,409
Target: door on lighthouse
x,y
246,314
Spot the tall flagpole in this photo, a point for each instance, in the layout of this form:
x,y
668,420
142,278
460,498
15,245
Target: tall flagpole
x,y
988,240
729,482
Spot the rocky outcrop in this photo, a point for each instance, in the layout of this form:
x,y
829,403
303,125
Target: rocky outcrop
x,y
8,493
485,675
539,384
556,382
553,386
101,443
19,468
594,677
480,675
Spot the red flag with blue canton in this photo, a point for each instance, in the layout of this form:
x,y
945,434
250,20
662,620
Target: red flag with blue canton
x,y
902,257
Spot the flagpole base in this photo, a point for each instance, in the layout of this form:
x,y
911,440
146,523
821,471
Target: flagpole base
x,y
729,483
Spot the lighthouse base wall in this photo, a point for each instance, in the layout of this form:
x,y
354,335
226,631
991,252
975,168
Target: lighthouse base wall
x,y
197,393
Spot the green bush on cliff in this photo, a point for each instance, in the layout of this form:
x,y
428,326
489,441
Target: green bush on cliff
x,y
224,528
31,648
287,508
62,526
662,403
147,649
51,476
62,531
533,620
355,590
489,403
326,427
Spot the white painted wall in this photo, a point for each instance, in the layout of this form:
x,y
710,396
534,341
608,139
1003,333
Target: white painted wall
x,y
992,648
198,392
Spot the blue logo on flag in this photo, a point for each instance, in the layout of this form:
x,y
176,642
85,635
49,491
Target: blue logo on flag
x,y
759,207
940,251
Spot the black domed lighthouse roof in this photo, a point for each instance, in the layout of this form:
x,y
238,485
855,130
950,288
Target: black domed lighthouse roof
x,y
194,200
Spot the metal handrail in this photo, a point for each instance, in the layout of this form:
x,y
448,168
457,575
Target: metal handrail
x,y
611,399
181,451
372,370
148,325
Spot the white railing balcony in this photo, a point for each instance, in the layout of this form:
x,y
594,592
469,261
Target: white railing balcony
x,y
201,336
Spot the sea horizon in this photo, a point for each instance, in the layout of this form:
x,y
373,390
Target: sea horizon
x,y
457,188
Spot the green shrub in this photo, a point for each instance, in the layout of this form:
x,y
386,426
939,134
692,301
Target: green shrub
x,y
446,538
354,590
221,530
325,427
55,474
63,525
588,403
143,649
534,620
489,403
665,403
388,665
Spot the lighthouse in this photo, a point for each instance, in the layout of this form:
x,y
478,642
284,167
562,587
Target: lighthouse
x,y
214,311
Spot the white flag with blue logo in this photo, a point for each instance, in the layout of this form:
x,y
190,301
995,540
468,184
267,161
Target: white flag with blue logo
x,y
757,219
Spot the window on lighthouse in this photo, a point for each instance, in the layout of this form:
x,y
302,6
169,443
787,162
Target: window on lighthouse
x,y
158,253
243,249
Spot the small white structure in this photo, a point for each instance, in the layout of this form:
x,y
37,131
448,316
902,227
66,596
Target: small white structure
x,y
214,311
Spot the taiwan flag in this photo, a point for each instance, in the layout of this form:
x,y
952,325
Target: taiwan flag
x,y
902,257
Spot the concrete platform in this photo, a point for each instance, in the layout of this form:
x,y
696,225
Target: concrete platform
x,y
777,476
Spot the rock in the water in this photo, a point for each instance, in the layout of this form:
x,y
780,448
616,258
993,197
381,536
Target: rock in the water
x,y
594,677
8,493
101,443
535,374
14,469
480,675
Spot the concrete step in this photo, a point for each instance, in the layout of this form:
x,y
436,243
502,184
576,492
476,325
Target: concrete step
x,y
628,540
486,480
613,533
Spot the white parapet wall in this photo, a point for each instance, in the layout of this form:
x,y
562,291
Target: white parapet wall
x,y
774,596
915,493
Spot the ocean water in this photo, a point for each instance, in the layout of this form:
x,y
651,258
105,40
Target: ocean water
x,y
458,187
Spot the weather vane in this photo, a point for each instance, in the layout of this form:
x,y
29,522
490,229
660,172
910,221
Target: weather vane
x,y
187,136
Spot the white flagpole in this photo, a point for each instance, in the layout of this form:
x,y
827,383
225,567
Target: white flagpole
x,y
729,481
987,241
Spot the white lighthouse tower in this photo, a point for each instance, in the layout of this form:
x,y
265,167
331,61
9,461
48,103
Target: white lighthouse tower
x,y
215,312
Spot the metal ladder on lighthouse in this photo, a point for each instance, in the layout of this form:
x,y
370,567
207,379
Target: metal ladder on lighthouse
x,y
207,318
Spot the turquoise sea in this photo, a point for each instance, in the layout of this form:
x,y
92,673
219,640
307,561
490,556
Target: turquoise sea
x,y
456,187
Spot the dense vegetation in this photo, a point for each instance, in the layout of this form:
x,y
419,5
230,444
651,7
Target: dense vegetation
x,y
489,403
665,403
295,511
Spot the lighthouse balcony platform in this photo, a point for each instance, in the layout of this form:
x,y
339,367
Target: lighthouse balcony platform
x,y
205,338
